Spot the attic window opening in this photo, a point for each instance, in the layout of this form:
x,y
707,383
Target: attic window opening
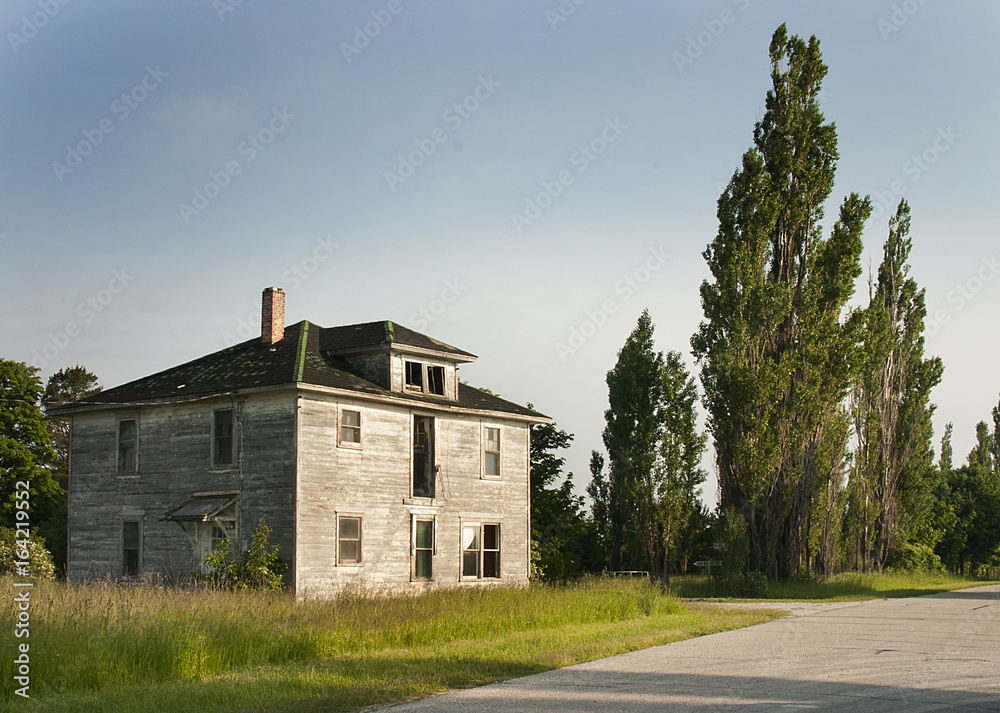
x,y
415,375
431,382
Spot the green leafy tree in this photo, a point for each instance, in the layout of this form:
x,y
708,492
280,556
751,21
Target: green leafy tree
x,y
258,569
600,508
630,438
562,538
650,499
894,476
773,348
25,446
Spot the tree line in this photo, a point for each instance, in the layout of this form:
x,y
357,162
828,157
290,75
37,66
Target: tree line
x,y
820,414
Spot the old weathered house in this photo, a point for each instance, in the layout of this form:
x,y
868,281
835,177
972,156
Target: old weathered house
x,y
359,446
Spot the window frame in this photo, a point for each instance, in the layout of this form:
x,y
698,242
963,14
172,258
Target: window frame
x,y
415,521
340,428
481,550
234,451
360,540
125,573
424,370
134,446
431,453
484,472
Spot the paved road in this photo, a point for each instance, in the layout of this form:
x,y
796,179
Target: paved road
x,y
934,653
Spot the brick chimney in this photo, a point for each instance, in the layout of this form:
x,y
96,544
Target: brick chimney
x,y
272,315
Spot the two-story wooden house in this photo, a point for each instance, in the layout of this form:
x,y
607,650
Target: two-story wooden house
x,y
359,446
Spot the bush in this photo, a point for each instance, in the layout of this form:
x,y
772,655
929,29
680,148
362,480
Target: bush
x,y
909,558
40,564
259,569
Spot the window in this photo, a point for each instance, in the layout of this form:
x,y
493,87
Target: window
x,y
131,547
425,378
423,457
350,428
423,549
435,380
127,446
415,375
223,450
491,455
480,551
348,540
218,535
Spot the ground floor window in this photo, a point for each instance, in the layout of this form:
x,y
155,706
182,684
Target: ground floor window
x,y
480,550
423,548
348,539
131,548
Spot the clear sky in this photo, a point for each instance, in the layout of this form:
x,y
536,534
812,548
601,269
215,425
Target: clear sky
x,y
519,179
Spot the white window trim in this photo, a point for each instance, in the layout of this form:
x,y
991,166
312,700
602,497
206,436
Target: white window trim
x,y
425,374
435,418
361,539
421,517
361,428
480,523
482,452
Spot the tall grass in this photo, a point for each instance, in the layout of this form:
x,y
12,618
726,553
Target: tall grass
x,y
95,640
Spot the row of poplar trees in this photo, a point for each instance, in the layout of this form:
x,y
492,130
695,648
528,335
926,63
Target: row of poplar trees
x,y
789,380
820,414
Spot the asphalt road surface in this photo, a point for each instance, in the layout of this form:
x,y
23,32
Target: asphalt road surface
x,y
933,653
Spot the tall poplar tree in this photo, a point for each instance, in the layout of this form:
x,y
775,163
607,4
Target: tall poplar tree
x,y
773,348
892,479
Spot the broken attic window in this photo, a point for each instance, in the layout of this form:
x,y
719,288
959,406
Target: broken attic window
x,y
415,375
435,380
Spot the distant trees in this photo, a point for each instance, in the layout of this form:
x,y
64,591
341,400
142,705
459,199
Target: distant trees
x,y
646,508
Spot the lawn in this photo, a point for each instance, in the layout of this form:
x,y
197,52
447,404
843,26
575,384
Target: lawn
x,y
103,647
838,588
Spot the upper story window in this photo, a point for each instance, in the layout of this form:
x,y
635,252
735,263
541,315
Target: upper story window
x,y
423,457
128,446
491,452
426,378
223,438
350,428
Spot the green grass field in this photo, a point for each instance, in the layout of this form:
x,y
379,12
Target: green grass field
x,y
110,648
103,647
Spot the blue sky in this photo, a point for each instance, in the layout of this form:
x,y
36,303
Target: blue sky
x,y
517,179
